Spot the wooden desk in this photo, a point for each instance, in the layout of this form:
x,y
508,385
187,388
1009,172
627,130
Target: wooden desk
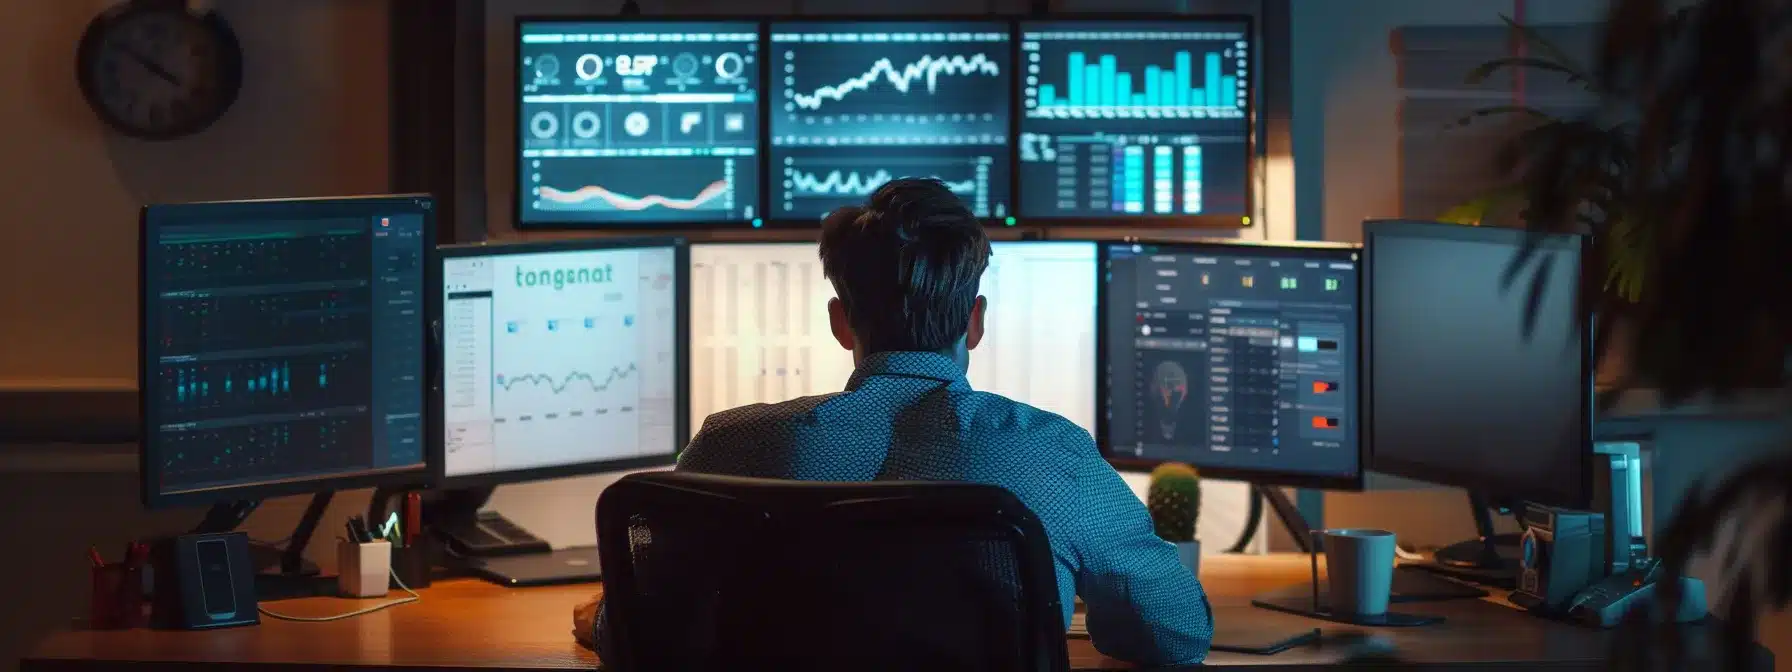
x,y
465,624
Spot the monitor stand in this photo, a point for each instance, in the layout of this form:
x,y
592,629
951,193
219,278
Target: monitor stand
x,y
1489,559
498,550
282,573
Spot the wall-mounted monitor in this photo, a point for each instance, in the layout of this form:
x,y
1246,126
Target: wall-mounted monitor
x,y
1141,121
854,104
637,124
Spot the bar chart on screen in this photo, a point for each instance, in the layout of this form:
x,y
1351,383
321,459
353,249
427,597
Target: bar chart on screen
x,y
760,334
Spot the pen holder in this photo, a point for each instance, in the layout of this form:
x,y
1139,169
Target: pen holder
x,y
106,610
362,570
412,564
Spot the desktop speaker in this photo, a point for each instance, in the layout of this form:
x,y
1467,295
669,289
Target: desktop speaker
x,y
1562,552
203,581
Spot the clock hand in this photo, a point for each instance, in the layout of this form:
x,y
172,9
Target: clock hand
x,y
150,65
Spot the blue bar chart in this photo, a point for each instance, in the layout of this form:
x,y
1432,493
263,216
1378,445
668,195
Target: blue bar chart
x,y
1102,84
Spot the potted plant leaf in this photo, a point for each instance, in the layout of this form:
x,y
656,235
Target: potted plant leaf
x,y
1174,501
1702,93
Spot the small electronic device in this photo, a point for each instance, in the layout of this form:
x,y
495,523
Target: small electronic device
x,y
1606,603
203,581
857,103
1141,120
759,327
1563,554
1240,359
562,359
637,124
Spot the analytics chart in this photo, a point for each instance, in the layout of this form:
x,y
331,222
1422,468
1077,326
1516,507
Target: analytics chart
x,y
638,123
760,333
558,358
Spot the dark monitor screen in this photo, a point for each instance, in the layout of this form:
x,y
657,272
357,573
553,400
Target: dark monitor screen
x,y
1238,359
562,358
1136,119
857,103
1458,393
284,346
637,124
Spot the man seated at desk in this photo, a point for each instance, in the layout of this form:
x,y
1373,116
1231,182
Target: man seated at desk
x,y
906,269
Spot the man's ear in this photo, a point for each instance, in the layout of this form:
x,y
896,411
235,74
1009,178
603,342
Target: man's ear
x,y
974,335
841,327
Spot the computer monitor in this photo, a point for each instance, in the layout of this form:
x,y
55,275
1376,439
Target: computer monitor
x,y
1145,120
637,124
1460,393
760,327
857,103
283,347
560,359
1239,359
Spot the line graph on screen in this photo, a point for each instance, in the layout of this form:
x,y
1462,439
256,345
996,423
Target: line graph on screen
x,y
927,69
595,197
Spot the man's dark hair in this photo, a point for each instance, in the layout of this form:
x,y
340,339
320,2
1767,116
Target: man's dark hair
x,y
906,265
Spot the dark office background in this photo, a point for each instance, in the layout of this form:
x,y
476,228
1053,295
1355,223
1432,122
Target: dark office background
x,y
313,120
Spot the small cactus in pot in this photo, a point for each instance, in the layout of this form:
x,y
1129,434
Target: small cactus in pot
x,y
1174,501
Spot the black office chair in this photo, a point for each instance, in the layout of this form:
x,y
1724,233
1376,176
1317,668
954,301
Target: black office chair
x,y
721,573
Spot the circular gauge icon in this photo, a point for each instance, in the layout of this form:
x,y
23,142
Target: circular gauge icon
x,y
585,124
684,65
636,123
589,66
730,65
547,66
544,125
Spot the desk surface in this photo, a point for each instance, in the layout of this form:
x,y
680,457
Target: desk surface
x,y
465,624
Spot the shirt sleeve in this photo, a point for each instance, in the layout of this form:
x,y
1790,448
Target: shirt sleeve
x,y
600,639
1144,607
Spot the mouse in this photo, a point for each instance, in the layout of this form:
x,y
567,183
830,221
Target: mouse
x,y
1361,647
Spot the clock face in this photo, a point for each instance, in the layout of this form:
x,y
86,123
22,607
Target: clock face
x,y
160,73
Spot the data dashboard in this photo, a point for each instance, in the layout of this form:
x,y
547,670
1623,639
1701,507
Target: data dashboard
x,y
1235,357
760,334
638,123
856,104
558,356
1135,119
283,343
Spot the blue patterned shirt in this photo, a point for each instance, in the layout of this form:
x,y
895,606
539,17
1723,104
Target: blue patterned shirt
x,y
912,416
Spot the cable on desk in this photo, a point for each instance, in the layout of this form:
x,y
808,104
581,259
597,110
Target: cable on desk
x,y
363,612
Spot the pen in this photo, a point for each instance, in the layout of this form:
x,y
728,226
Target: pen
x,y
94,555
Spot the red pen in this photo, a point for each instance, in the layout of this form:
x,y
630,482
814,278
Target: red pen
x,y
94,554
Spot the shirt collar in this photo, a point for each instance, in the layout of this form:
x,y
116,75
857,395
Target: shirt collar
x,y
929,365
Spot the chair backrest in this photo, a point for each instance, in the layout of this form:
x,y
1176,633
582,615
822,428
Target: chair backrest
x,y
706,572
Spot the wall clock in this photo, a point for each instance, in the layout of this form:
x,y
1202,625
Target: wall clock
x,y
158,70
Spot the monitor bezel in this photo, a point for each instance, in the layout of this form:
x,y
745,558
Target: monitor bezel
x,y
681,397
1243,221
151,217
632,229
1008,24
1340,482
1468,479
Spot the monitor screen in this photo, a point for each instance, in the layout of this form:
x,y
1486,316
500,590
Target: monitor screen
x,y
1458,393
635,124
760,327
1240,359
284,346
856,104
560,358
1136,119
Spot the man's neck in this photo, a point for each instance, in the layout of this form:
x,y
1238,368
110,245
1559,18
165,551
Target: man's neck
x,y
957,353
